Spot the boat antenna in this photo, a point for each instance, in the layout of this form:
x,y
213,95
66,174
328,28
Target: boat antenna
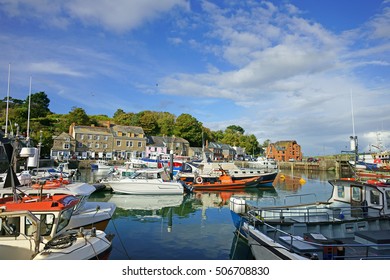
x,y
353,120
354,137
28,118
8,90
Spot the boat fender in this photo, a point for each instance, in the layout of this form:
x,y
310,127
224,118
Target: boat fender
x,y
341,215
199,180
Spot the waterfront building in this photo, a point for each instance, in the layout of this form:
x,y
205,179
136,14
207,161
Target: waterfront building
x,y
284,151
157,145
99,142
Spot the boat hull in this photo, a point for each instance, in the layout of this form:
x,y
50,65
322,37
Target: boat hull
x,y
146,187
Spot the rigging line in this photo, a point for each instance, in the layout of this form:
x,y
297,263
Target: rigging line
x,y
120,240
238,232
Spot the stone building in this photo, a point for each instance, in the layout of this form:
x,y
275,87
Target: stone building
x,y
64,147
99,142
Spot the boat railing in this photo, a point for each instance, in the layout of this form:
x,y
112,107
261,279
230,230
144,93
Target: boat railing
x,y
335,249
315,213
300,197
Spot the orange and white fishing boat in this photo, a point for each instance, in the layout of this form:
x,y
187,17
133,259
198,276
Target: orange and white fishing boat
x,y
35,227
86,213
223,182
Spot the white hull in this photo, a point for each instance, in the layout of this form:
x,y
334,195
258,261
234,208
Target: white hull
x,y
91,214
153,186
69,245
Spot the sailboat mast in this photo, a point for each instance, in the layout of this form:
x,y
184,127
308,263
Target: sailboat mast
x,y
8,90
353,119
28,118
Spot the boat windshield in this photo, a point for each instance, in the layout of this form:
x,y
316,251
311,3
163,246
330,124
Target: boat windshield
x,y
64,219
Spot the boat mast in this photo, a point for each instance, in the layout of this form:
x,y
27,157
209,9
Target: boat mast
x,y
8,90
28,118
354,140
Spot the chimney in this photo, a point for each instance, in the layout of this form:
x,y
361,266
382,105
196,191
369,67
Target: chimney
x,y
71,128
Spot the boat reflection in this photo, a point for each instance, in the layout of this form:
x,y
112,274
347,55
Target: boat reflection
x,y
220,199
145,202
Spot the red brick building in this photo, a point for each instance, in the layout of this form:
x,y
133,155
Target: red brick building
x,y
284,151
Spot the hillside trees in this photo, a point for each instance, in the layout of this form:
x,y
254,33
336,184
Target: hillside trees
x,y
44,124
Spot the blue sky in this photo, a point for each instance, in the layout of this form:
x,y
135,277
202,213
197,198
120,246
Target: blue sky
x,y
282,70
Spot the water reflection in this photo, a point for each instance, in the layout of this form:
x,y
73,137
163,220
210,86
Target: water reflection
x,y
194,226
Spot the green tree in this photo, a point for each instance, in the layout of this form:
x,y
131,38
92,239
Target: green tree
x,y
78,116
216,136
236,128
39,105
189,128
148,122
166,123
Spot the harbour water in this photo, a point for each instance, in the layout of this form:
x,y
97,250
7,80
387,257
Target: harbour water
x,y
195,226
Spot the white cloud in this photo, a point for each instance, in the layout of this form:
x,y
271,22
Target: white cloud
x,y
53,67
117,16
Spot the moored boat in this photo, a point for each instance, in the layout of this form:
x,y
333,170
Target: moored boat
x,y
354,223
146,181
225,181
35,228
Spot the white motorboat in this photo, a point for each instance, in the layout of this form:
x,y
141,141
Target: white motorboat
x,y
35,228
354,223
24,178
264,163
101,164
146,181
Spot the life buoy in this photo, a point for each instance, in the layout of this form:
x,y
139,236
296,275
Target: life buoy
x,y
199,180
47,185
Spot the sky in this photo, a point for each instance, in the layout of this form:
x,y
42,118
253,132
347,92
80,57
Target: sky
x,y
316,72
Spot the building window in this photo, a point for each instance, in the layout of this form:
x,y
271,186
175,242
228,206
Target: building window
x,y
82,136
90,137
105,138
89,145
97,137
118,143
105,146
139,144
97,145
79,144
66,146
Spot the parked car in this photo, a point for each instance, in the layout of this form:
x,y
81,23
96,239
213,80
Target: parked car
x,y
311,159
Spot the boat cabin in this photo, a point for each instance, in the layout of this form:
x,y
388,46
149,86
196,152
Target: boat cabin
x,y
371,195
